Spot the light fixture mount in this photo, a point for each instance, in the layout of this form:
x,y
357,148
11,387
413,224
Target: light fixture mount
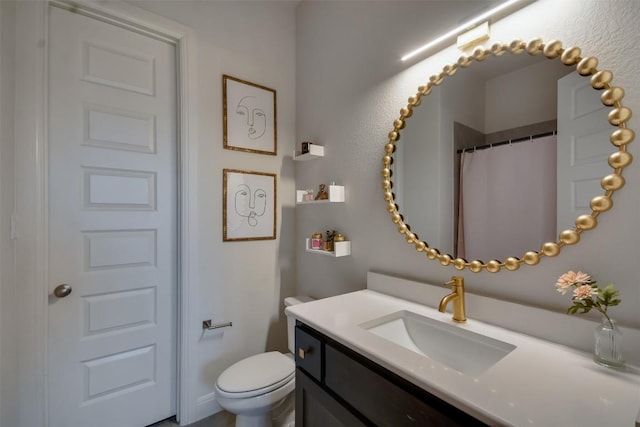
x,y
500,10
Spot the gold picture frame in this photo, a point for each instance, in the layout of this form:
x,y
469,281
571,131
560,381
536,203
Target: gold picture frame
x,y
249,116
249,205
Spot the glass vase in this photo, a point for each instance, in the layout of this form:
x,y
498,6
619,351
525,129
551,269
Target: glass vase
x,y
608,344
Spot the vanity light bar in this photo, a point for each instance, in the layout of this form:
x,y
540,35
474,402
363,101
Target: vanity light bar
x,y
461,28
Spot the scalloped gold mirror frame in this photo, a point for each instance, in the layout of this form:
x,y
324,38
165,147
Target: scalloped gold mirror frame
x,y
618,117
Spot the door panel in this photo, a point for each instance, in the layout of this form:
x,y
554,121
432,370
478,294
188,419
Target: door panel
x,y
112,224
583,148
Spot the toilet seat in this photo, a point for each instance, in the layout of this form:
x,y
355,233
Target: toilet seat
x,y
256,375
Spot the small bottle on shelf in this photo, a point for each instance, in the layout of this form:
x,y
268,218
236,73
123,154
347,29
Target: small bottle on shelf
x,y
316,241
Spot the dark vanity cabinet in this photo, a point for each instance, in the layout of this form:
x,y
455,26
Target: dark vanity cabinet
x,y
336,386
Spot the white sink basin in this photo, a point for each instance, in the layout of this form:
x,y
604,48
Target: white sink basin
x,y
453,346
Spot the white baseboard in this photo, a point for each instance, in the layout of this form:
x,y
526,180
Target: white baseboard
x,y
206,406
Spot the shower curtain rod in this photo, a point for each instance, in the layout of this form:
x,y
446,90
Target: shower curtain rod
x,y
509,141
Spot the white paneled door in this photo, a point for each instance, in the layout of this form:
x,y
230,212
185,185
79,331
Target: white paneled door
x,y
583,148
112,188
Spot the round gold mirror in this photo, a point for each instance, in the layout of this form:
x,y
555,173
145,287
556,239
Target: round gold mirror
x,y
617,117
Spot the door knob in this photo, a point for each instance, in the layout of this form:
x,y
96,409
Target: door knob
x,y
62,291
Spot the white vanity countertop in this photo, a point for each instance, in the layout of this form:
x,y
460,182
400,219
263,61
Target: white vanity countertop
x,y
537,384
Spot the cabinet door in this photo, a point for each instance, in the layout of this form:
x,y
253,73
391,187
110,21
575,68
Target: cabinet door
x,y
309,353
316,408
384,399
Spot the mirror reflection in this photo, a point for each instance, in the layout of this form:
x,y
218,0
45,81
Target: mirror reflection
x,y
503,157
479,120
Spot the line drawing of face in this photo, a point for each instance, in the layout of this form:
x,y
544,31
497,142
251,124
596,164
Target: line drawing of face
x,y
250,205
255,117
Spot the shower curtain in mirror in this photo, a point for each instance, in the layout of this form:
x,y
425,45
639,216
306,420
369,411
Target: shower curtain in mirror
x,y
507,199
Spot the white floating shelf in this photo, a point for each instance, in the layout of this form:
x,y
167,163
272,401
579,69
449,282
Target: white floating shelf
x,y
336,195
339,249
315,152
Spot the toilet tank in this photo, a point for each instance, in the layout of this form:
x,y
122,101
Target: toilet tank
x,y
291,322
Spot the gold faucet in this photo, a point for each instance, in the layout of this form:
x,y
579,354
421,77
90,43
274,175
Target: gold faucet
x,y
457,296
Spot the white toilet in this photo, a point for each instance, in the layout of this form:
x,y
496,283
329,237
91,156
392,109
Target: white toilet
x,y
253,387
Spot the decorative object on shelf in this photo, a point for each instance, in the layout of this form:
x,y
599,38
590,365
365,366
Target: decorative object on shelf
x,y
309,151
340,249
316,241
335,194
308,196
329,239
322,193
339,238
587,295
249,116
249,205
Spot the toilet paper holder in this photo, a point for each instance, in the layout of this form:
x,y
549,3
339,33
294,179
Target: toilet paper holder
x,y
206,324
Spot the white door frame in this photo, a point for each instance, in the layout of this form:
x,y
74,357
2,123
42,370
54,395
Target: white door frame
x,y
32,199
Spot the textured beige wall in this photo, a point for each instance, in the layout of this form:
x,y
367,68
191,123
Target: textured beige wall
x,y
241,282
8,331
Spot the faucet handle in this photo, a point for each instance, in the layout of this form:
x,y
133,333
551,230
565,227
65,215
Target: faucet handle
x,y
456,281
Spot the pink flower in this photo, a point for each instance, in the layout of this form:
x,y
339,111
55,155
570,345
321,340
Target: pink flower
x,y
571,278
584,292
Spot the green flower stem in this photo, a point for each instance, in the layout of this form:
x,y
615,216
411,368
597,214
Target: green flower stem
x,y
604,312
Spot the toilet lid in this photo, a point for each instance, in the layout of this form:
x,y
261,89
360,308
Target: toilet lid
x,y
262,371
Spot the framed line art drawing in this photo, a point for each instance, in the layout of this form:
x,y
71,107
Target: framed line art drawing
x,y
249,116
249,205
